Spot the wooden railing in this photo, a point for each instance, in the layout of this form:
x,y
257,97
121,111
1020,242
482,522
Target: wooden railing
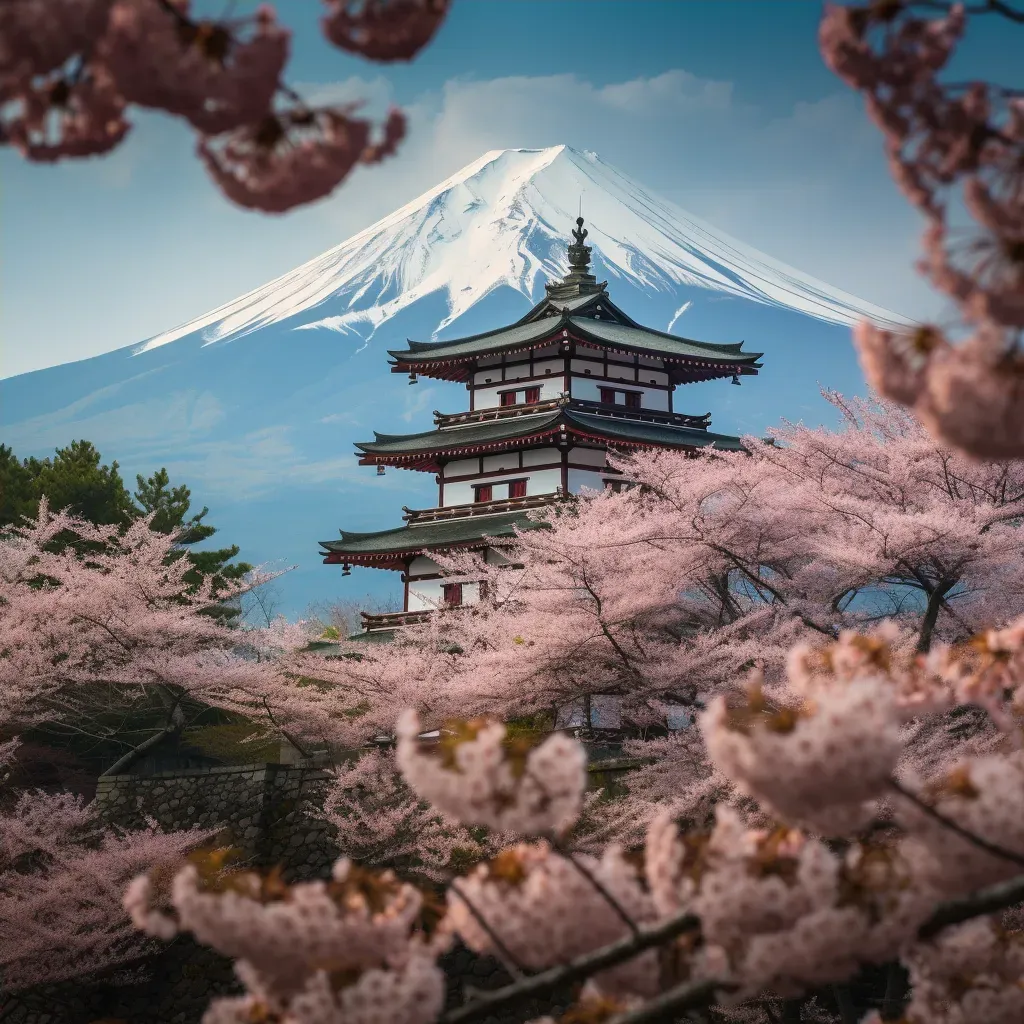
x,y
498,412
391,620
477,508
504,412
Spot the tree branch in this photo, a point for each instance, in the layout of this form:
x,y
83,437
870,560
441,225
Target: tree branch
x,y
976,840
509,961
576,970
601,889
671,1004
987,901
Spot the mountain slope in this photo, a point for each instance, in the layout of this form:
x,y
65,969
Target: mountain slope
x,y
502,221
262,428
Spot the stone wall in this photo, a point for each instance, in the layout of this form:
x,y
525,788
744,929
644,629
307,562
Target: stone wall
x,y
266,810
261,806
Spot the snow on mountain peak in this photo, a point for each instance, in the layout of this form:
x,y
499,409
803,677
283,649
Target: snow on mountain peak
x,y
504,220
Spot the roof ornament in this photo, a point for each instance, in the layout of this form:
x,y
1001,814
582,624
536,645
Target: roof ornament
x,y
579,253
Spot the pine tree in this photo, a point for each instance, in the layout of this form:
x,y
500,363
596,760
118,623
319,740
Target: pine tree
x,y
170,508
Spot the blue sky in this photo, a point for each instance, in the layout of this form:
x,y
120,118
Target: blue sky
x,y
723,106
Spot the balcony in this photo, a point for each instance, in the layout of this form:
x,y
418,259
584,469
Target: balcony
x,y
498,412
392,620
478,508
675,419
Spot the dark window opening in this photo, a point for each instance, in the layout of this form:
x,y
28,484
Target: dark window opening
x,y
484,492
452,594
517,489
507,397
532,395
607,395
632,399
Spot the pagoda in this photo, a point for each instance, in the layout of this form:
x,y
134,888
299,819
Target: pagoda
x,y
549,396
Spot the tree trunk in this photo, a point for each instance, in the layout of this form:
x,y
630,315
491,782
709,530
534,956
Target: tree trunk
x,y
175,723
931,616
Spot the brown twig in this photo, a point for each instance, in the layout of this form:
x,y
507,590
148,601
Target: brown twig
x,y
600,888
976,840
508,959
576,970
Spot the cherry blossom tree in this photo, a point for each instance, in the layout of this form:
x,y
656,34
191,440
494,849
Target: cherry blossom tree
x,y
942,136
104,622
828,607
71,69
741,557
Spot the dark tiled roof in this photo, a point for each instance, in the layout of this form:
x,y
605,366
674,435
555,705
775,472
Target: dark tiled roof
x,y
463,435
487,432
602,332
437,534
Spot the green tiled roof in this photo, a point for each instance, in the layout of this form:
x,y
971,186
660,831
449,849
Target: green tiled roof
x,y
464,434
610,428
435,534
646,432
620,336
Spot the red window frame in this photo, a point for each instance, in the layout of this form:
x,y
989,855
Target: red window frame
x,y
483,492
532,395
507,397
452,594
517,489
632,399
607,395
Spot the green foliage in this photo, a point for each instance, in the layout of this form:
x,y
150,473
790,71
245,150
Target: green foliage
x,y
170,508
73,478
76,478
16,491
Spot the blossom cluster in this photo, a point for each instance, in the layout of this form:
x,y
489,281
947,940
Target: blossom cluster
x,y
352,948
70,69
971,394
478,776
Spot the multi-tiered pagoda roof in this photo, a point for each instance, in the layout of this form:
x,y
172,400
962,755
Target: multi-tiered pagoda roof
x,y
562,419
549,396
590,324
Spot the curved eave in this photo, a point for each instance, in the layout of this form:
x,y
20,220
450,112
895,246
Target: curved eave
x,y
686,369
430,461
399,559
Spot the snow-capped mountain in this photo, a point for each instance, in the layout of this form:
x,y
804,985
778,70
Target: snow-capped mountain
x,y
502,221
262,428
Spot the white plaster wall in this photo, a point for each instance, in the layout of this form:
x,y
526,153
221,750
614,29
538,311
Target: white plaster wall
x,y
550,387
585,366
460,493
586,389
647,376
580,478
540,456
428,594
506,460
588,456
423,566
538,481
460,467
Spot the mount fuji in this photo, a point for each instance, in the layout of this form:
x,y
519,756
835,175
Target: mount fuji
x,y
256,405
